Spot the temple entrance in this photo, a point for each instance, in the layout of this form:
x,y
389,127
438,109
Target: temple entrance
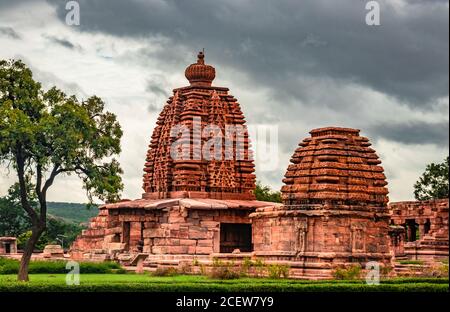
x,y
133,236
411,230
427,226
126,235
235,236
7,248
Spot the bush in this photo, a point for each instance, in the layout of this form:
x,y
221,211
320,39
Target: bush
x,y
222,286
184,267
225,272
165,271
245,266
385,271
10,266
221,270
260,267
347,273
278,271
418,262
436,270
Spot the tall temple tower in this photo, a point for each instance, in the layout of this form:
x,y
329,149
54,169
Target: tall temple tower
x,y
198,183
200,146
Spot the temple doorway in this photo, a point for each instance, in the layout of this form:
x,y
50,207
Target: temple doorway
x,y
235,236
427,226
7,248
133,236
411,230
126,235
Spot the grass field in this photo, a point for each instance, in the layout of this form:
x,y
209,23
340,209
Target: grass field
x,y
145,282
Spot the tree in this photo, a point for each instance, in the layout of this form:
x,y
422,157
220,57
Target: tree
x,y
265,193
47,134
433,184
15,222
13,219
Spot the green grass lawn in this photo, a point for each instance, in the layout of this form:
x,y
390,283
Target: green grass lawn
x,y
146,282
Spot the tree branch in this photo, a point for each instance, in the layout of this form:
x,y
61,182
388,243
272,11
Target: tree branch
x,y
43,193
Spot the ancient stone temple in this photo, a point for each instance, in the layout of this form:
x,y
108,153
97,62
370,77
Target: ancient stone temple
x,y
425,224
198,183
335,206
198,201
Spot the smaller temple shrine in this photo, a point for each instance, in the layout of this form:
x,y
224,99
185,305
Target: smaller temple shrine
x,y
8,245
425,229
335,206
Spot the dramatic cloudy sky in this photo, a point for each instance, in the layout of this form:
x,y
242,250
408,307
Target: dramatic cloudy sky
x,y
293,64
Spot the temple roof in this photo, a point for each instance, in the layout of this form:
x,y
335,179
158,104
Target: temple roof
x,y
200,74
335,166
178,165
188,203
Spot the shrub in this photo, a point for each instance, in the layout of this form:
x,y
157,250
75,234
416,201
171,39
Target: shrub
x,y
245,266
185,268
230,286
278,271
165,271
385,271
221,270
224,272
347,273
260,267
436,270
10,266
202,269
418,262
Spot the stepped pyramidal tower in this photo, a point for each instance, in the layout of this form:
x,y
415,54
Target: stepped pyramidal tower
x,y
335,206
179,165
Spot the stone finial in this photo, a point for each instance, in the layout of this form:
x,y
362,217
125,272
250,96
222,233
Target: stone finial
x,y
200,74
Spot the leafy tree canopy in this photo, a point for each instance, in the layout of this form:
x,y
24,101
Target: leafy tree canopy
x,y
44,134
265,193
433,184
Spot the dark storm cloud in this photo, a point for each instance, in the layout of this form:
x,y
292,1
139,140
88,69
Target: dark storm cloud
x,y
9,32
417,132
273,41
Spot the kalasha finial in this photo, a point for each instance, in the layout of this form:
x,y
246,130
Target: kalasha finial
x,y
201,57
200,74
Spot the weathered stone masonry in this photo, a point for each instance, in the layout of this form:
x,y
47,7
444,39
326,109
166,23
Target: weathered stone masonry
x,y
334,212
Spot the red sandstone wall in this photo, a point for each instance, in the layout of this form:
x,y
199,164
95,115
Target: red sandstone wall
x,y
189,232
176,231
302,237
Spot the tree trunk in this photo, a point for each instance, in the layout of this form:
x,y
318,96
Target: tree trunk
x,y
26,257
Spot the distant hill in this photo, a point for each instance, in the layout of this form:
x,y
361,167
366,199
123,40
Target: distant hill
x,y
71,212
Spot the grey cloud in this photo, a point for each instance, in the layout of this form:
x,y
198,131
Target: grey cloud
x,y
156,89
405,57
416,132
63,42
9,32
48,80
